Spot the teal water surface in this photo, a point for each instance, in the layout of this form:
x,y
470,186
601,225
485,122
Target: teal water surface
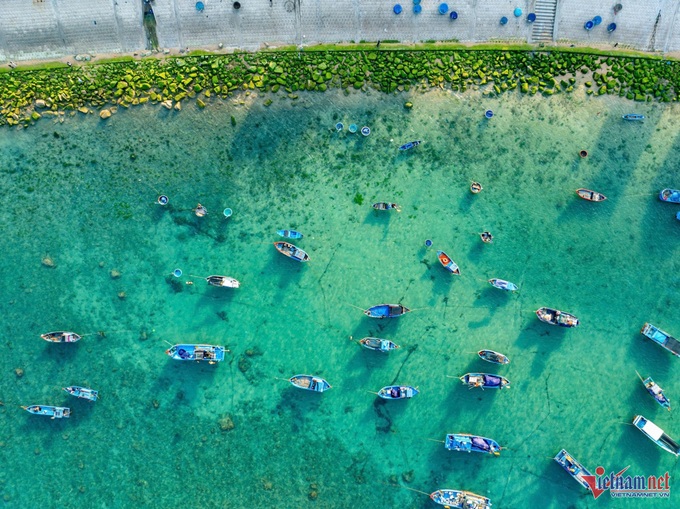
x,y
81,195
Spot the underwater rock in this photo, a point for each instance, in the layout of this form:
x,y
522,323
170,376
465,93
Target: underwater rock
x,y
178,106
40,103
47,261
167,104
19,372
115,273
408,105
226,423
105,114
408,476
122,295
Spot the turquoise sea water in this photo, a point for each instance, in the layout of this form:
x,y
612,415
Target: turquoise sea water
x,y
83,193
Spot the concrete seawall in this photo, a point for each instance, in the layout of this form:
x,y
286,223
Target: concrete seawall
x,y
50,29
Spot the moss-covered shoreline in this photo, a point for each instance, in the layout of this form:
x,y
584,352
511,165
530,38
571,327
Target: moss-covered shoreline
x,y
28,94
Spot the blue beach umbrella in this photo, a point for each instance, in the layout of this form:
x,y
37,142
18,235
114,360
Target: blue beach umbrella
x,y
397,9
504,20
417,9
611,27
488,114
517,12
589,25
443,8
531,17
453,15
416,2
597,20
199,6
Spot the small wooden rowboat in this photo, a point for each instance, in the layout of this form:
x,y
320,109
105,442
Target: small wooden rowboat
x,y
223,281
386,206
475,187
471,443
491,356
448,263
556,317
82,392
54,412
378,344
199,353
291,251
656,392
485,381
458,499
670,195
410,145
502,284
486,237
398,392
633,116
61,337
310,383
289,234
386,311
589,195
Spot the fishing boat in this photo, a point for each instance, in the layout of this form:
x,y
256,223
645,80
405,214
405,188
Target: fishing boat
x,y
309,383
656,435
502,284
458,499
386,311
223,281
555,317
471,443
410,145
54,412
662,338
448,263
485,381
475,187
633,116
82,392
398,392
291,251
677,216
589,195
378,344
61,337
573,467
386,206
486,237
670,195
199,353
289,234
491,356
656,391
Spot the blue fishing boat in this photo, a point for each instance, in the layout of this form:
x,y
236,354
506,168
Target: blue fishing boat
x,y
54,412
448,263
291,251
662,338
458,499
82,392
289,234
378,344
382,205
656,435
398,392
61,337
502,284
386,311
656,392
410,145
491,356
310,383
485,381
556,317
199,353
471,443
633,116
670,195
677,216
573,467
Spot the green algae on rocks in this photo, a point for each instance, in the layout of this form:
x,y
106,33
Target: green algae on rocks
x,y
28,95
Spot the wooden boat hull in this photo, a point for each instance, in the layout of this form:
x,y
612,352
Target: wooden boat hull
x,y
448,263
61,337
54,412
309,383
398,392
657,393
386,206
656,435
82,392
410,145
493,357
291,251
662,338
458,499
573,468
485,381
223,281
199,353
386,311
556,317
589,195
502,284
670,195
464,442
289,234
378,344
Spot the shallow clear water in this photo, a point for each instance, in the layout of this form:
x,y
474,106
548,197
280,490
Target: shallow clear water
x,y
83,194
